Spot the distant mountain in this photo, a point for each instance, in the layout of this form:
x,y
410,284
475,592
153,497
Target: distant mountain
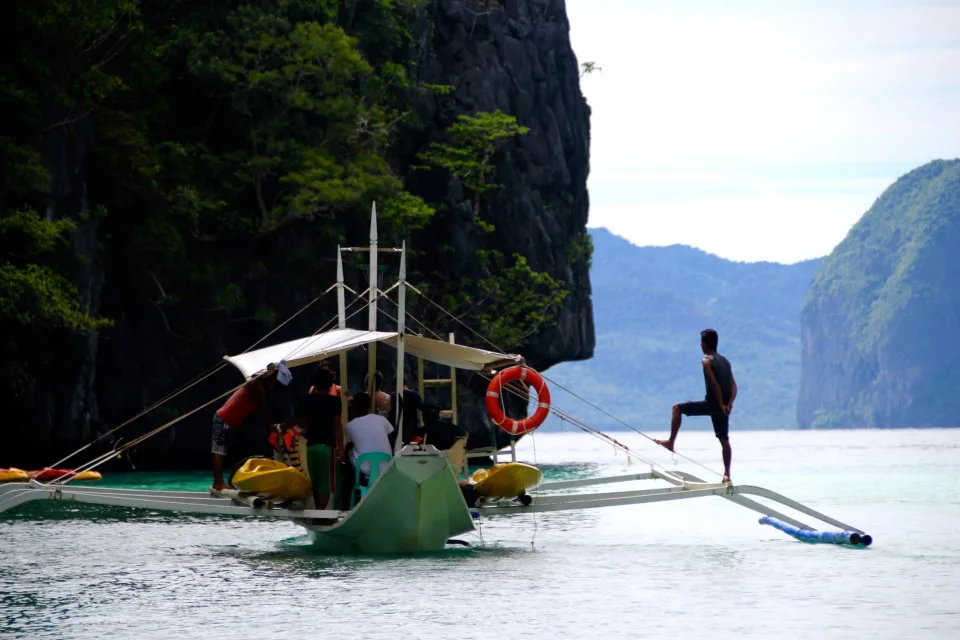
x,y
650,304
881,325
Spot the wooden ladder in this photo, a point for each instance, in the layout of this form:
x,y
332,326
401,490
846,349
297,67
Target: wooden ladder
x,y
451,382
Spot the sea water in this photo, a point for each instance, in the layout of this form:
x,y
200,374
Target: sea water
x,y
701,568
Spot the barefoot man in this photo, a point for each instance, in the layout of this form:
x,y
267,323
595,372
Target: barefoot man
x,y
718,403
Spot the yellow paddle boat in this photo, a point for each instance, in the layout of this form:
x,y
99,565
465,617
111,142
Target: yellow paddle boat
x,y
270,477
506,480
13,475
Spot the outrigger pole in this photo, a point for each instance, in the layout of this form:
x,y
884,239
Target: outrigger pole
x,y
685,486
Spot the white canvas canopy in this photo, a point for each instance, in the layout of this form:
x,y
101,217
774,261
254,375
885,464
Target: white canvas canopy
x,y
323,345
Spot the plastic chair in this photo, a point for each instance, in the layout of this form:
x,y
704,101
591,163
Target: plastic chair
x,y
377,461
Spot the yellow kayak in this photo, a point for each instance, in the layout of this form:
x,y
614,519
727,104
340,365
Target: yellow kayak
x,y
13,475
507,480
270,477
88,475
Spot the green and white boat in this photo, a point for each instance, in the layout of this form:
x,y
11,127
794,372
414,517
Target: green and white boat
x,y
416,504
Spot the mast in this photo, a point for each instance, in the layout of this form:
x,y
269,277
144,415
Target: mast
x,y
341,305
372,308
401,326
342,324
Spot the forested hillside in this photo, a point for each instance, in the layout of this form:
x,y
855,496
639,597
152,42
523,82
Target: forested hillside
x,y
881,325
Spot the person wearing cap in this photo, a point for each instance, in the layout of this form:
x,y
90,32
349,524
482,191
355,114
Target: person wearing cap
x,y
244,401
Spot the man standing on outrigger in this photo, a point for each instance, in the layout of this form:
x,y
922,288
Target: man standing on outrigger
x,y
721,390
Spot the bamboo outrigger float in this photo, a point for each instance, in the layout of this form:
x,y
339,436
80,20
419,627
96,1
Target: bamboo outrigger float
x,y
417,503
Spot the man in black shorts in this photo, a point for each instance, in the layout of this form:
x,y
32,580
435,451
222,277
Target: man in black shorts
x,y
721,390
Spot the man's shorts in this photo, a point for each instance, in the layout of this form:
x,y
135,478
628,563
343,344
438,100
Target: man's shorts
x,y
319,465
721,421
218,441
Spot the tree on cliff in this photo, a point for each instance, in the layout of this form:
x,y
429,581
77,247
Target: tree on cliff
x,y
514,301
474,139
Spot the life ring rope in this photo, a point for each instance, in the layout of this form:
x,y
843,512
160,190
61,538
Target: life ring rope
x,y
495,410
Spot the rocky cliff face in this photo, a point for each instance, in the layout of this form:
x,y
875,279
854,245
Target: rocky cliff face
x,y
881,323
514,56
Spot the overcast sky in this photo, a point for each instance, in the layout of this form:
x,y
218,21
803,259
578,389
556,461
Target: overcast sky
x,y
763,129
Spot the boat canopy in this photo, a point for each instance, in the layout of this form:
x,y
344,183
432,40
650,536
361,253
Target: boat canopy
x,y
323,345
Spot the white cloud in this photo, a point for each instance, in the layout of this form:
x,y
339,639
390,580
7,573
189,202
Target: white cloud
x,y
769,227
761,111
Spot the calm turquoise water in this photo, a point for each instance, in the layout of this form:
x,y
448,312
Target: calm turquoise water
x,y
697,569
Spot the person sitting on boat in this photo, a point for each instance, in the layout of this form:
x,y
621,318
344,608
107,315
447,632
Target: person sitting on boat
x,y
318,413
409,403
721,390
439,432
381,397
334,388
368,432
234,412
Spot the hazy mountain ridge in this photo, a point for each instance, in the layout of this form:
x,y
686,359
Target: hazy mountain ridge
x,y
650,304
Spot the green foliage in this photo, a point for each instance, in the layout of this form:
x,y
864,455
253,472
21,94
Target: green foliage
x,y
37,296
586,68
517,302
440,89
580,250
317,128
514,301
25,236
473,142
34,296
215,125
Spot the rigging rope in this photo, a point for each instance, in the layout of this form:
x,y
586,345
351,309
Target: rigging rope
x,y
572,419
127,447
197,380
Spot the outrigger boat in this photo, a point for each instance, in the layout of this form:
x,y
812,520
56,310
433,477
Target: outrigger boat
x,y
418,502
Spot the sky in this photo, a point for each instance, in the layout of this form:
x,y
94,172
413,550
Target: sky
x,y
764,129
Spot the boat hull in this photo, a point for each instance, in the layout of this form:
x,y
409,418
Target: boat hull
x,y
415,506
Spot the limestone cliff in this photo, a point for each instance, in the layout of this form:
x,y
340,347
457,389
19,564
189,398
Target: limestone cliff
x,y
515,56
881,323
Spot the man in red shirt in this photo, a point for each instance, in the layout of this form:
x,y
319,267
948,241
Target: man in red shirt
x,y
234,412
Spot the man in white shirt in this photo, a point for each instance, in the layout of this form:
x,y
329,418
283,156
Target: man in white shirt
x,y
368,432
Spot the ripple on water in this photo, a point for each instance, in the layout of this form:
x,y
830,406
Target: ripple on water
x,y
695,570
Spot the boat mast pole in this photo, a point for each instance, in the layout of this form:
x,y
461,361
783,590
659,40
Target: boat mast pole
x,y
372,308
342,324
401,326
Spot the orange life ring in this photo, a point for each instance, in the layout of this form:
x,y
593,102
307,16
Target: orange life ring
x,y
511,426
